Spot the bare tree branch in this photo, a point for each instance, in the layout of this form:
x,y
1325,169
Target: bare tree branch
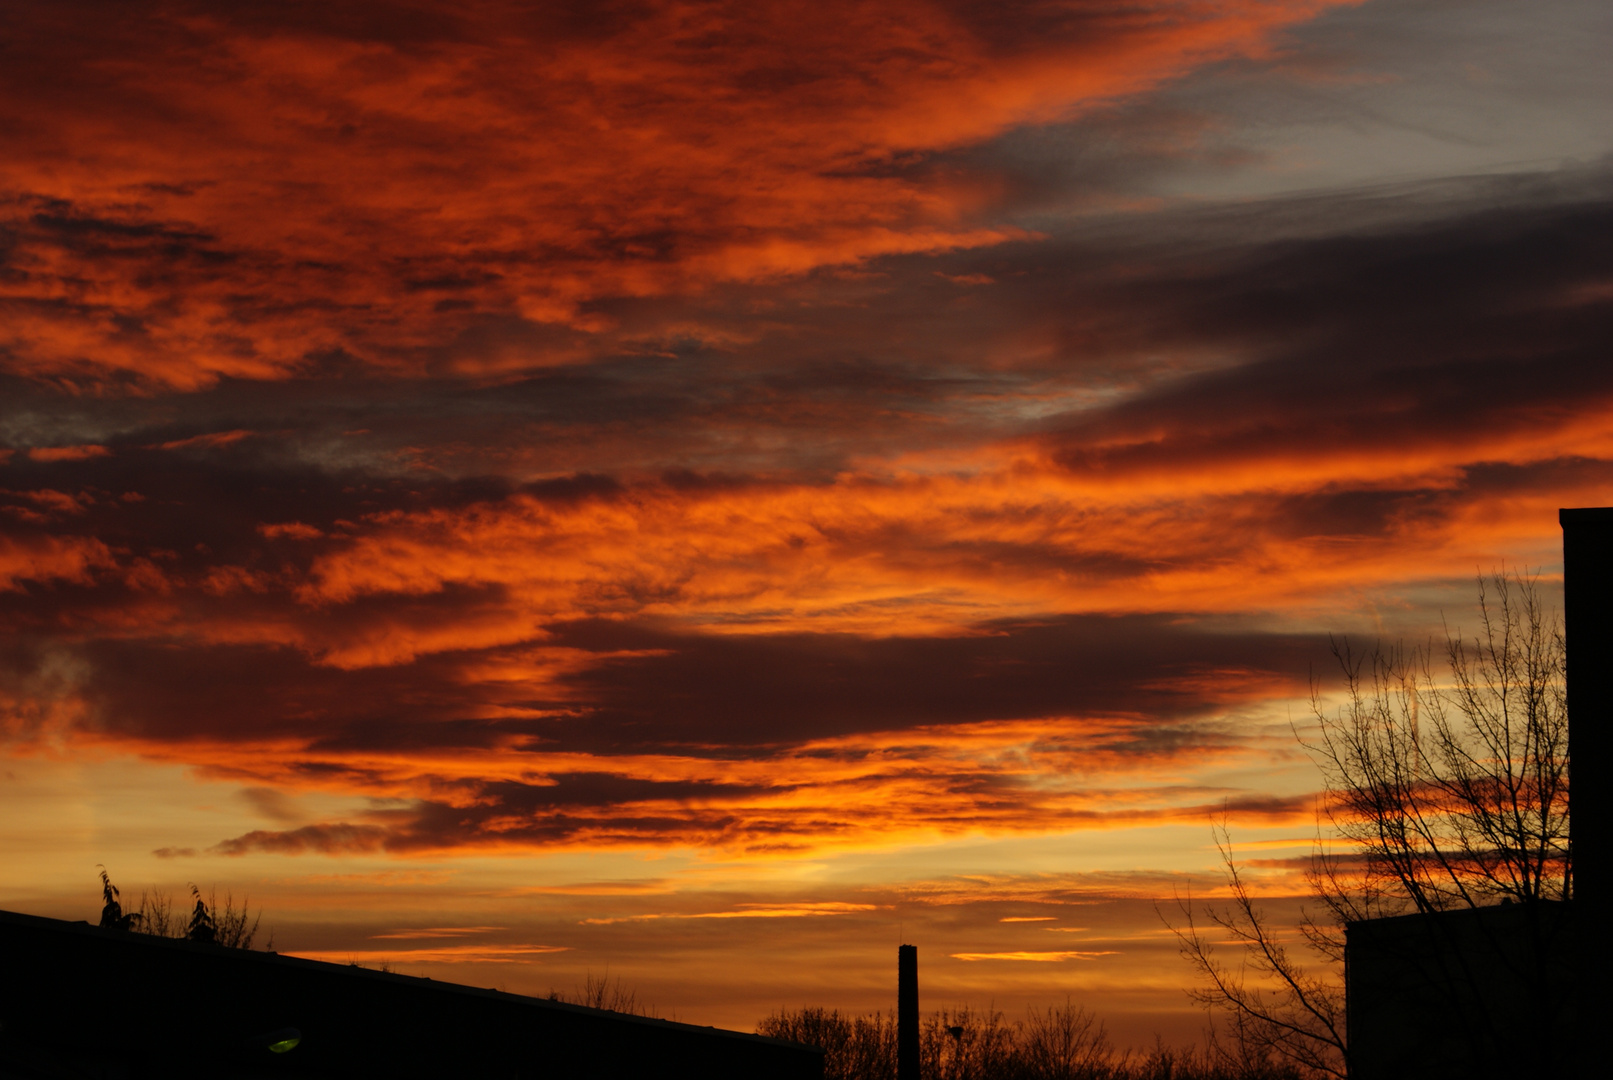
x,y
1439,794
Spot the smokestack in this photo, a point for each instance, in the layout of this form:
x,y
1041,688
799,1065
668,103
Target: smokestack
x,y
1588,624
907,1012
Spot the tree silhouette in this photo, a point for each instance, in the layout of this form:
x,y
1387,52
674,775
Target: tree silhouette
x,y
112,915
202,927
1455,794
1439,795
1272,1003
1060,1042
209,921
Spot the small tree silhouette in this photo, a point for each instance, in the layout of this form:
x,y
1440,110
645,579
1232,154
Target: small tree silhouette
x,y
112,915
202,927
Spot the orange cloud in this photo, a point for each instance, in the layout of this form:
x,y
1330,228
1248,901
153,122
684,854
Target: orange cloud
x,y
446,954
51,558
1036,957
910,552
435,932
750,911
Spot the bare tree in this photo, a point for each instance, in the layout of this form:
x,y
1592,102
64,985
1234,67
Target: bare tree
x,y
1062,1042
234,927
968,1044
1456,793
1439,794
854,1047
158,916
1067,1043
1274,1007
604,993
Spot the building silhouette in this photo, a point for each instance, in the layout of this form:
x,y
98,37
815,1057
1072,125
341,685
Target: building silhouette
x,y
85,1001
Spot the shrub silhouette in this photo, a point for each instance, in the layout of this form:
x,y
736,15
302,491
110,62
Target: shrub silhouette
x,y
605,993
1062,1042
854,1047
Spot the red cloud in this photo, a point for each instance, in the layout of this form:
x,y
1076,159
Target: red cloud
x,y
65,453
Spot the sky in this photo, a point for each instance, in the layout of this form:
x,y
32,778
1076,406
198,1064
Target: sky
x,y
701,493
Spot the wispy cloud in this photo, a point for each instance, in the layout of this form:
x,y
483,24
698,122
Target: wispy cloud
x,y
747,911
446,954
435,932
1036,957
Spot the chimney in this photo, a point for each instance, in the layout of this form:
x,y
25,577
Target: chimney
x,y
907,1012
1588,624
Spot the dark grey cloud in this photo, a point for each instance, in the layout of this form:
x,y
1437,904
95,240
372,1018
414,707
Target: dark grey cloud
x,y
1457,331
707,695
781,689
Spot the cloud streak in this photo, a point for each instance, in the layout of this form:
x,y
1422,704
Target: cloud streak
x,y
1036,957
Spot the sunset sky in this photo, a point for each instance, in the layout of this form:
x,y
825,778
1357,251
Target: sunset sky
x,y
705,492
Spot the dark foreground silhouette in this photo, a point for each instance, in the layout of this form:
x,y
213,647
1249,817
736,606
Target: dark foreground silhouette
x,y
78,1000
